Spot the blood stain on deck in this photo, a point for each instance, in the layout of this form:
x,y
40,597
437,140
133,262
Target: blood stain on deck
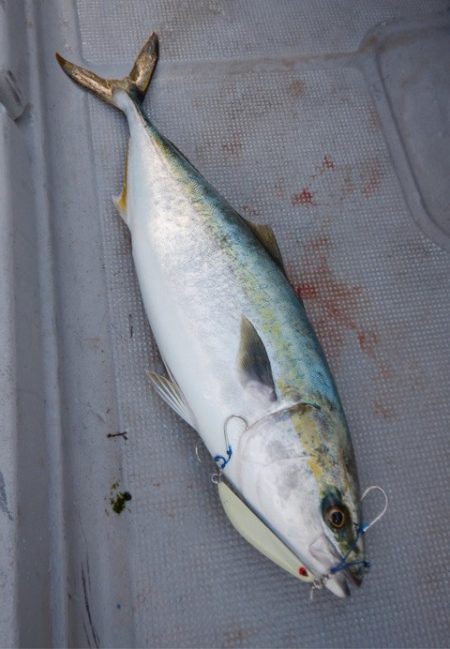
x,y
305,197
374,119
382,410
348,186
371,175
296,88
336,307
233,146
368,341
327,162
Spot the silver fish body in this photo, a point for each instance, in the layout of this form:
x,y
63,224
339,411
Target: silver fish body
x,y
245,368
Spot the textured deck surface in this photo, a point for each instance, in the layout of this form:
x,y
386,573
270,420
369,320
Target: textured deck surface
x,y
328,120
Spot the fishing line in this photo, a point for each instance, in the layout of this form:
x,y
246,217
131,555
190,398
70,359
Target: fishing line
x,y
362,529
383,511
343,564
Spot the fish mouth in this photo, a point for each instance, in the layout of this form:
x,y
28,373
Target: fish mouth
x,y
333,577
354,575
338,585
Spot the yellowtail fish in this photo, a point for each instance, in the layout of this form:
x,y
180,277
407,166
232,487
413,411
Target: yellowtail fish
x,y
244,367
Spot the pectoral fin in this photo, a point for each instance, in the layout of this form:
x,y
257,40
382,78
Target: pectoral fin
x,y
267,237
259,535
172,395
254,363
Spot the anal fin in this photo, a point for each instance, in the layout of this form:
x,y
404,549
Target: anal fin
x,y
259,535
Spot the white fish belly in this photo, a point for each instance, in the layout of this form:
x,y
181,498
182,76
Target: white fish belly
x,y
191,297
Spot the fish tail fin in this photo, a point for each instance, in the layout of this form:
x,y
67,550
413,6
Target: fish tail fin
x,y
135,84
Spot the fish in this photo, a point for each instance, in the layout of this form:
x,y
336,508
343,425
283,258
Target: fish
x,y
244,366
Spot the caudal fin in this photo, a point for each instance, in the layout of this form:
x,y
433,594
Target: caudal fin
x,y
135,84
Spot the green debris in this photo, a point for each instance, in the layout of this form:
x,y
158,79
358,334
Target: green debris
x,y
118,500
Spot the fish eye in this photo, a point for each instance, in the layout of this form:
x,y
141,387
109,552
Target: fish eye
x,y
336,517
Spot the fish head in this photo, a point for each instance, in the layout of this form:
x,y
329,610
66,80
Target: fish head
x,y
297,470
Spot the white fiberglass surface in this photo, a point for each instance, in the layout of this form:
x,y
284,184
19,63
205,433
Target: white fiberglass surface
x,y
296,113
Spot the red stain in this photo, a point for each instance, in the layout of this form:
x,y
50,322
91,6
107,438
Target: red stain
x,y
320,243
306,291
302,571
374,118
333,303
327,162
296,88
236,637
305,197
249,210
384,371
348,186
382,409
335,306
233,146
280,188
371,175
289,64
368,341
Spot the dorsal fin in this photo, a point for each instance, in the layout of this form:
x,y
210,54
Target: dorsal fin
x,y
253,361
266,236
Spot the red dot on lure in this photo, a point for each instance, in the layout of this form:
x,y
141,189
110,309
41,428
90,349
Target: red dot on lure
x,y
302,571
